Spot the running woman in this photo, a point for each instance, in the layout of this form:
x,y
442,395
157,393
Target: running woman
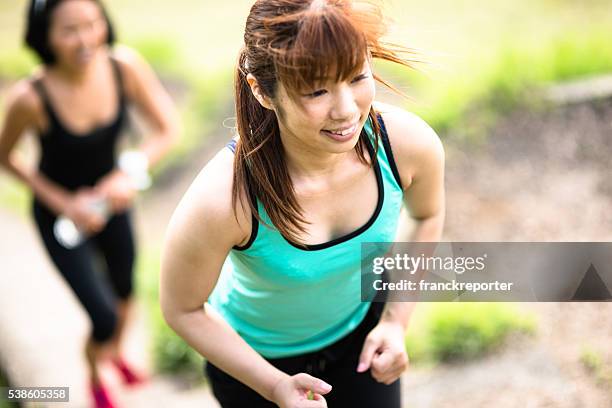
x,y
261,264
76,103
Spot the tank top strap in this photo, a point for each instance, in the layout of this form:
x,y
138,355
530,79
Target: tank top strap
x,y
384,138
40,89
232,145
119,81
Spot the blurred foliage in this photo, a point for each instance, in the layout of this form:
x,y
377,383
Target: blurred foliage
x,y
593,361
441,332
17,65
467,103
4,383
14,196
162,54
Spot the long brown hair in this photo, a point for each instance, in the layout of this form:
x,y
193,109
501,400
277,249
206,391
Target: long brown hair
x,y
297,43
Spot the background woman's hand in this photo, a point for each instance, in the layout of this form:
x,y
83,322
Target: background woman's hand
x,y
384,352
292,392
119,190
80,209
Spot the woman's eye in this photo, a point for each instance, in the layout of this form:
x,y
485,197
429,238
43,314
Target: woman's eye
x,y
317,93
359,78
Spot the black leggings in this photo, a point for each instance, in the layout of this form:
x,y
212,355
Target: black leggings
x,y
112,250
336,364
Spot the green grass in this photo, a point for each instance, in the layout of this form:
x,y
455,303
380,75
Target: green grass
x,y
442,332
14,195
4,383
468,102
593,361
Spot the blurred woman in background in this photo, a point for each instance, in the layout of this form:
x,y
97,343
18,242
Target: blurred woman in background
x,y
77,105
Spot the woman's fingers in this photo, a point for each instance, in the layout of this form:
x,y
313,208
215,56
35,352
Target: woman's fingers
x,y
367,354
388,366
317,402
308,382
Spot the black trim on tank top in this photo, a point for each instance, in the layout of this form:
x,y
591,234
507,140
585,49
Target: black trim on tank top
x,y
254,227
231,145
55,121
368,224
387,146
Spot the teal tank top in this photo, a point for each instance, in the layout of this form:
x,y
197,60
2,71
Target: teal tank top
x,y
285,300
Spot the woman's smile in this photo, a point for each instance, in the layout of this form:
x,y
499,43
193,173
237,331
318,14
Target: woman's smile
x,y
343,133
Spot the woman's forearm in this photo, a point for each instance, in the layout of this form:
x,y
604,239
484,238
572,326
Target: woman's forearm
x,y
156,147
426,230
50,193
218,342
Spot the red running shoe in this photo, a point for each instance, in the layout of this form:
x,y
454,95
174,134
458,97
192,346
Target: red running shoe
x,y
101,397
129,376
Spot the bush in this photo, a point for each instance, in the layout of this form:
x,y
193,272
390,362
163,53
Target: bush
x,y
468,102
593,361
5,383
460,331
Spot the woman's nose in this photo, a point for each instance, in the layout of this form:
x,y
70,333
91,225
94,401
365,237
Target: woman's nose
x,y
344,107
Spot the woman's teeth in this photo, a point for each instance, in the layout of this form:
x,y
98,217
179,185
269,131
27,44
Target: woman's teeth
x,y
343,132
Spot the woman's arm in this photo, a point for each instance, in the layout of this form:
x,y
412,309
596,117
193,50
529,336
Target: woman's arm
x,y
22,105
23,109
201,233
152,102
419,157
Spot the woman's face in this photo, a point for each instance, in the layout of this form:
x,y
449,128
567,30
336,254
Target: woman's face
x,y
328,118
77,30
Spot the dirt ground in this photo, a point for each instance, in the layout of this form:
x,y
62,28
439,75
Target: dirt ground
x,y
543,176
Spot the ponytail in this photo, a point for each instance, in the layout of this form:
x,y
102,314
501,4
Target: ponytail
x,y
259,164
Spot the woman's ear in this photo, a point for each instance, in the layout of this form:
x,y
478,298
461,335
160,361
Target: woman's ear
x,y
256,89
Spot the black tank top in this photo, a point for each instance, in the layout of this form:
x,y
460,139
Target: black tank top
x,y
78,160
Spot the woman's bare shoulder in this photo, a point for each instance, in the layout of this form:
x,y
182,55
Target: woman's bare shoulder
x,y
126,56
23,97
23,103
206,210
135,70
414,143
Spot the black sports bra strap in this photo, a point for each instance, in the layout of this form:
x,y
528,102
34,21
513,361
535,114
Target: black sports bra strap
x,y
40,90
39,87
118,79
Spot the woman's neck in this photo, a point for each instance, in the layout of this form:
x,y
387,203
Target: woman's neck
x,y
76,74
304,162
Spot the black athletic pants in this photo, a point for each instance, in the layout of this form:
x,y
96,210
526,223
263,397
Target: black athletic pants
x,y
336,364
110,251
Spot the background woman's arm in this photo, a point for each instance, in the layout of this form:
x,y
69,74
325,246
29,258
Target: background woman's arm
x,y
153,103
151,100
